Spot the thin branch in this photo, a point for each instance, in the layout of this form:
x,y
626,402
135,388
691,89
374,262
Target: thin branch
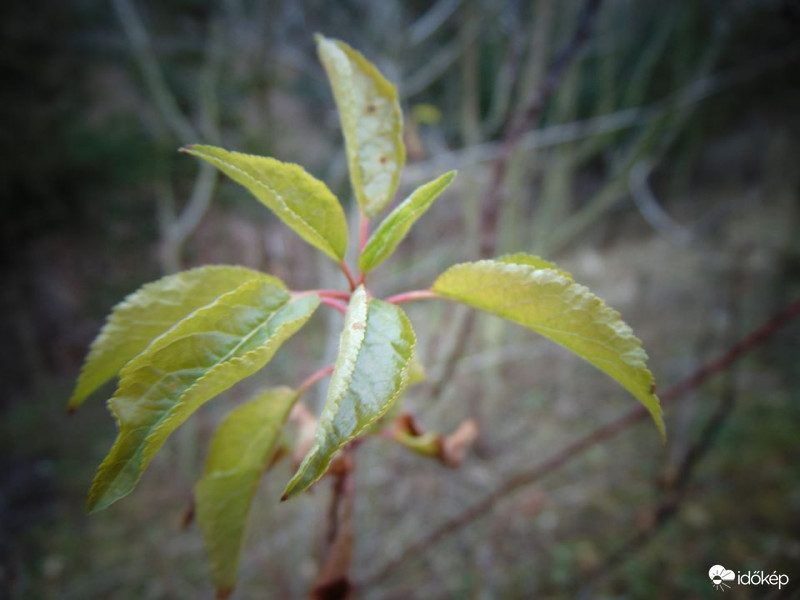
x,y
412,296
562,133
634,416
528,119
492,199
674,488
312,379
349,274
337,304
363,231
139,40
329,293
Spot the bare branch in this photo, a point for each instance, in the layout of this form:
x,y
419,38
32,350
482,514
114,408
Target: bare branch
x,y
634,416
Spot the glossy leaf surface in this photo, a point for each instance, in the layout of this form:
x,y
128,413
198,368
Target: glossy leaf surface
x,y
370,373
371,120
553,305
240,448
202,356
301,201
146,314
394,227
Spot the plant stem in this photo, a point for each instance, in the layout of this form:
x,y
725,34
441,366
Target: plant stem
x,y
331,294
349,274
363,231
337,304
412,296
312,379
333,580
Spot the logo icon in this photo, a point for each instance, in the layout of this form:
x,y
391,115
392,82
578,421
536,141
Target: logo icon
x,y
719,575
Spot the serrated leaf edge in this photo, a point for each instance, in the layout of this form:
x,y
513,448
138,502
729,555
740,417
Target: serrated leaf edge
x,y
328,249
291,489
127,301
393,222
95,503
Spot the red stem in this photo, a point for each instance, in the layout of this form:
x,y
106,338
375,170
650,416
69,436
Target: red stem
x,y
337,304
363,232
332,294
349,274
412,296
312,379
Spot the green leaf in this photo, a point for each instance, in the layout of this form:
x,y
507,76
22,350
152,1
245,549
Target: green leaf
x,y
199,358
301,201
239,450
371,120
375,351
520,258
395,227
416,371
146,314
550,303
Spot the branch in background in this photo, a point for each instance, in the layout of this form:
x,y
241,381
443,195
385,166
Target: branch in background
x,y
147,62
562,133
175,229
599,435
493,197
333,580
650,208
432,20
528,119
674,481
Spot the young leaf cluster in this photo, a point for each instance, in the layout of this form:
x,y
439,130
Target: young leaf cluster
x,y
184,339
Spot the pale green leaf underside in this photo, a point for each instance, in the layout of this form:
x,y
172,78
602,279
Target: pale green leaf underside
x,y
553,305
394,227
371,120
239,450
371,370
301,201
146,314
202,356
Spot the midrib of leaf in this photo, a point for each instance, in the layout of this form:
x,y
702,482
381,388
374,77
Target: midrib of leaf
x,y
97,359
144,447
272,191
208,369
382,389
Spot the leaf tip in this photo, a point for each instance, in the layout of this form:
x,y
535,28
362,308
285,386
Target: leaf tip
x,y
71,410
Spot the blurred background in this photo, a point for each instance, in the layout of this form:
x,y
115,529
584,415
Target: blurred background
x,y
662,172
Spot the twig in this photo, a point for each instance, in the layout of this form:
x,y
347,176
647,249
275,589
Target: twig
x,y
650,208
332,302
154,79
412,296
349,274
333,580
312,379
674,485
492,199
363,231
527,120
601,434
